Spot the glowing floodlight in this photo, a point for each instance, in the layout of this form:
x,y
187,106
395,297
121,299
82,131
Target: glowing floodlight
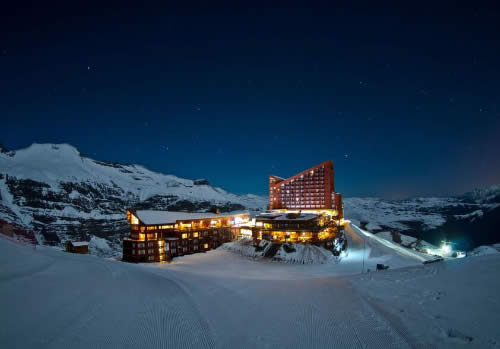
x,y
343,254
446,248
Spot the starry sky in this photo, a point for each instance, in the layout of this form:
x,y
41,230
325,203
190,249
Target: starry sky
x,y
404,100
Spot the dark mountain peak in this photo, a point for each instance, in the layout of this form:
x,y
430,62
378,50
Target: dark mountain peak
x,y
201,181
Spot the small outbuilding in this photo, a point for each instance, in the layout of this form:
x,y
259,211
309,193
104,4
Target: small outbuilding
x,y
77,247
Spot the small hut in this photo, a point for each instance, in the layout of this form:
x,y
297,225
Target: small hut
x,y
77,247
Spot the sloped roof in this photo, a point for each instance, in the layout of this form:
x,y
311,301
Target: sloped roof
x,y
79,243
150,217
286,216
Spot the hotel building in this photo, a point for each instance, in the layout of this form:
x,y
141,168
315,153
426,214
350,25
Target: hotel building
x,y
157,236
312,189
302,209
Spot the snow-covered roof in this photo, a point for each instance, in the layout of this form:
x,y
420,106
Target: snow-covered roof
x,y
286,216
165,217
79,243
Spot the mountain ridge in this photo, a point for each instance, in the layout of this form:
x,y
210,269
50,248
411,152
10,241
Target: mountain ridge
x,y
61,194
55,191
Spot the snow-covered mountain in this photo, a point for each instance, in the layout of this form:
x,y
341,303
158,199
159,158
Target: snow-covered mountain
x,y
57,192
469,220
60,194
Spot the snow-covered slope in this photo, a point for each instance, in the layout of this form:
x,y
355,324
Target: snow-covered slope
x,y
61,194
218,299
469,220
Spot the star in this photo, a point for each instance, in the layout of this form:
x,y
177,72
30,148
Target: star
x,y
346,156
88,67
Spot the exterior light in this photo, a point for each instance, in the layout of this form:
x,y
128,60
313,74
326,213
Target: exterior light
x,y
446,248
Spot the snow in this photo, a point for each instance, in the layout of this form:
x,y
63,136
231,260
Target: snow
x,y
279,216
303,254
53,163
484,250
472,216
79,243
166,217
378,212
98,243
219,299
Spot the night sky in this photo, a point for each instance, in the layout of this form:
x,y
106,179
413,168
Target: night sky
x,y
404,100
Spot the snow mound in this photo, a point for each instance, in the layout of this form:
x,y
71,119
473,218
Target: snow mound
x,y
99,246
485,250
245,247
291,253
304,254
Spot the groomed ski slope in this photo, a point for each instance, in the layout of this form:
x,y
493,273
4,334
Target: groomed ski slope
x,y
51,299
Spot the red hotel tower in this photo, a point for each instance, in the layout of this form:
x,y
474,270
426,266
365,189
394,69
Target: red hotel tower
x,y
308,190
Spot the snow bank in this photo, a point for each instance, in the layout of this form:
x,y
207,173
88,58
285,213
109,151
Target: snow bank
x,y
297,253
245,247
305,254
485,250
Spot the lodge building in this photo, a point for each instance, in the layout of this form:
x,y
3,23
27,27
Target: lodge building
x,y
157,236
318,228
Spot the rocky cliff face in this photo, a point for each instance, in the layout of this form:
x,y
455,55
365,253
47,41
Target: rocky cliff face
x,y
62,195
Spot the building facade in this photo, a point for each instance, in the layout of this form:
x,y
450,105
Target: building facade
x,y
81,247
318,228
312,189
157,236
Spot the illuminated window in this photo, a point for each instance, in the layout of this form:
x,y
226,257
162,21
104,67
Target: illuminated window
x,y
134,220
205,246
184,236
195,235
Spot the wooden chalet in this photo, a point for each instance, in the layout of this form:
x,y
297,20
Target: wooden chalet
x,y
81,247
157,236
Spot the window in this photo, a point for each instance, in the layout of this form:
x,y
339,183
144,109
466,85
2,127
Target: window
x,y
184,236
205,246
195,235
134,220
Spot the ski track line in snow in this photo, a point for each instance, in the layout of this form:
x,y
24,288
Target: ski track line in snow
x,y
172,320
